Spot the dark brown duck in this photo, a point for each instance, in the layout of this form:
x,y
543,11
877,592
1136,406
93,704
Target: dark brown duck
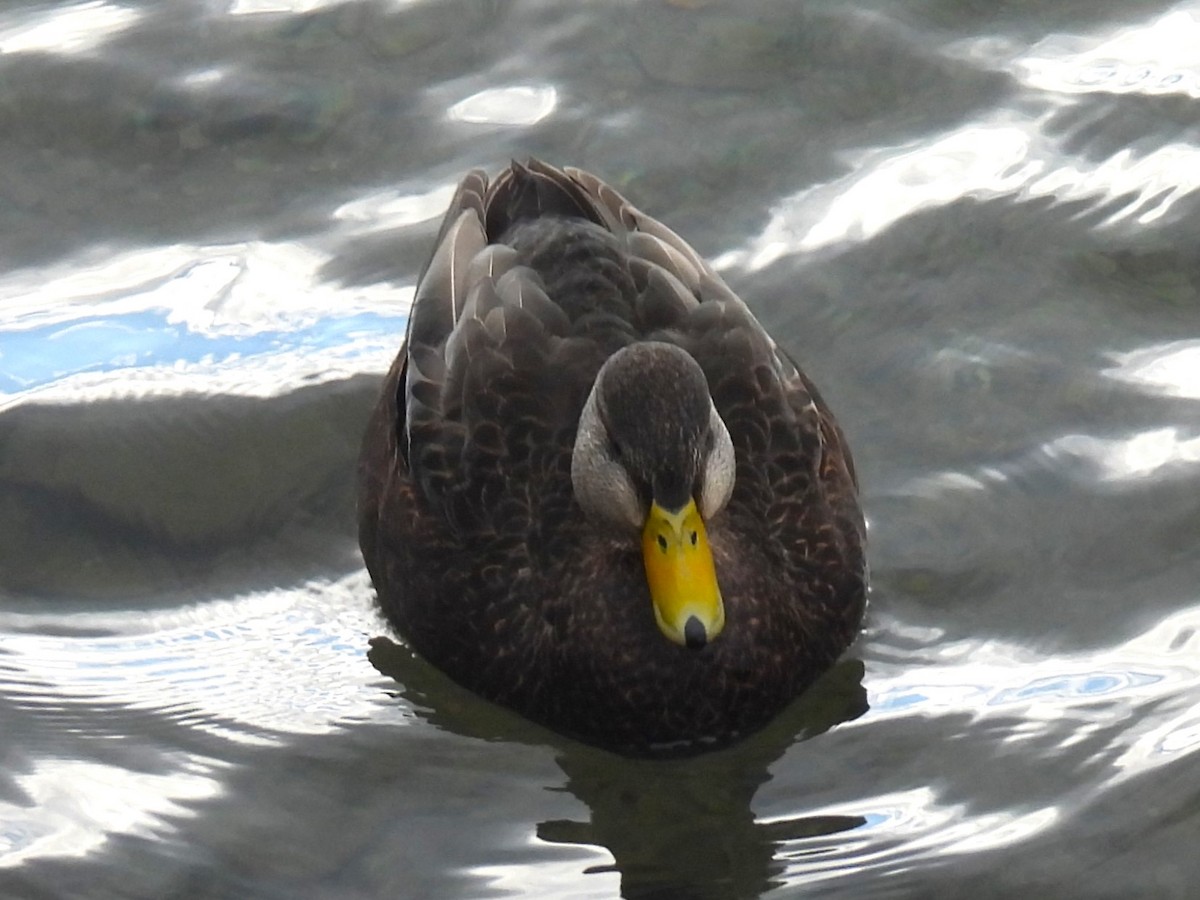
x,y
594,489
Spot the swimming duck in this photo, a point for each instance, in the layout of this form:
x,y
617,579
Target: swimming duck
x,y
594,489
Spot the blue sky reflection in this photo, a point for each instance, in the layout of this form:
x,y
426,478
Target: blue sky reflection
x,y
37,356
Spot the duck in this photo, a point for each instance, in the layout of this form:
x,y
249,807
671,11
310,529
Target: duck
x,y
594,489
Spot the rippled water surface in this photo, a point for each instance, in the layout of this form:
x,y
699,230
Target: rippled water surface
x,y
975,224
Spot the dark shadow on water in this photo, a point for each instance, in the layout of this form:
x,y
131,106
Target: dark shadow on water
x,y
674,827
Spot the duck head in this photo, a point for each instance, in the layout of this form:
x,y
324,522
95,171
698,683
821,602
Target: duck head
x,y
653,461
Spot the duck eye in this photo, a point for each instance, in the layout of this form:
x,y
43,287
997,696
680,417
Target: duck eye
x,y
662,543
694,539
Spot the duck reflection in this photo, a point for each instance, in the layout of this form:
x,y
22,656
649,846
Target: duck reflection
x,y
679,827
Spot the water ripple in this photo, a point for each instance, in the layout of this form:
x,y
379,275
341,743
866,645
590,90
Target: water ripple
x,y
71,806
1017,152
900,828
254,669
1125,710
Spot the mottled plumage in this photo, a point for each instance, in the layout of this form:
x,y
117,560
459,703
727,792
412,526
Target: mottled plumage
x,y
481,554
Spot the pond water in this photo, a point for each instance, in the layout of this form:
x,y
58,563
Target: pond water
x,y
974,224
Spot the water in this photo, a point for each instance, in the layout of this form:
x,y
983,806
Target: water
x,y
975,225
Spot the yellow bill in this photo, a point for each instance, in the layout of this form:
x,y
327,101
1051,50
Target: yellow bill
x,y
682,576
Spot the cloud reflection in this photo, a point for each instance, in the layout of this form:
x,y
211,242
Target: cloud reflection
x,y
294,7
1146,454
1175,730
392,209
253,670
555,869
71,29
1010,153
900,827
251,318
1134,705
999,157
983,159
270,367
74,806
1171,369
227,289
517,105
1158,669
1161,57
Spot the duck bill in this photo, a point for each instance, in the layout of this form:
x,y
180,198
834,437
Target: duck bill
x,y
682,576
